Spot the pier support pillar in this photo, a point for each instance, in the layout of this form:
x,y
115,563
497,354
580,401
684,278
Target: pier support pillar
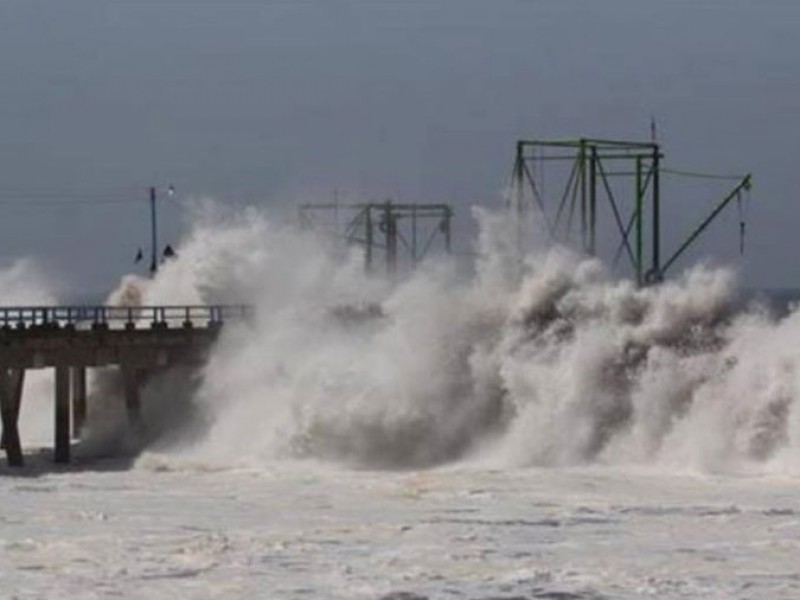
x,y
132,379
16,378
62,414
11,382
78,400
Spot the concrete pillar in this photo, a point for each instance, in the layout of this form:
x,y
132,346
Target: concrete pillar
x,y
16,378
78,400
131,378
62,414
10,399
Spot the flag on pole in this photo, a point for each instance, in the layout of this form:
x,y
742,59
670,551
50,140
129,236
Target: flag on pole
x,y
139,257
653,135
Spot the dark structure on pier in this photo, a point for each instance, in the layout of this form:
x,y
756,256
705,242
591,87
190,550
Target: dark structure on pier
x,y
386,230
72,339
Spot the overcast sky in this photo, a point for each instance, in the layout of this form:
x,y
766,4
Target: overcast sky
x,y
273,101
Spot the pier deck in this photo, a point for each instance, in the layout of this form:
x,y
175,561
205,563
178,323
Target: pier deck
x,y
71,339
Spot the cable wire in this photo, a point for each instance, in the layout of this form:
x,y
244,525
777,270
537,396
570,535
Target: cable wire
x,y
696,175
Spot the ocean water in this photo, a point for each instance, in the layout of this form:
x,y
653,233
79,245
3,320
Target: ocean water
x,y
165,530
544,430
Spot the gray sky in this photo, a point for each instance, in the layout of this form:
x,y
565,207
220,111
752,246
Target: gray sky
x,y
274,101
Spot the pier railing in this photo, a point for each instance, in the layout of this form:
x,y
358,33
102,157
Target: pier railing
x,y
120,317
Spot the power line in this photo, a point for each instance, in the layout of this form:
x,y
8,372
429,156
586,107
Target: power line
x,y
20,197
22,202
696,175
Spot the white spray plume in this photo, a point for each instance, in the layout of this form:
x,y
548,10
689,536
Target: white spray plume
x,y
24,283
566,365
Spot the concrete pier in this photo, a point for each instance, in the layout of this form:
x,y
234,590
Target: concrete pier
x,y
71,340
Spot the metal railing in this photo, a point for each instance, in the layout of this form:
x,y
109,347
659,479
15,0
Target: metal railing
x,y
127,317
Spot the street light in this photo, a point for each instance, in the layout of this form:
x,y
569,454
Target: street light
x,y
154,228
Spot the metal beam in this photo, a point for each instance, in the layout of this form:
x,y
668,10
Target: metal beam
x,y
745,184
655,269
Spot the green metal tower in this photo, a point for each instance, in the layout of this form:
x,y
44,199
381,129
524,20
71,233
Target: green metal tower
x,y
589,166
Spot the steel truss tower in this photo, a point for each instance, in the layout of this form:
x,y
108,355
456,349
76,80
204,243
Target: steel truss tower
x,y
387,230
590,166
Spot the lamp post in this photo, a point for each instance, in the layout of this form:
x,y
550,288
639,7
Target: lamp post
x,y
154,229
153,233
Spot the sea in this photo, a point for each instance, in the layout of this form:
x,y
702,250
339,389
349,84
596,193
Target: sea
x,y
530,429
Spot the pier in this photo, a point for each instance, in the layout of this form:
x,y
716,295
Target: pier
x,y
71,339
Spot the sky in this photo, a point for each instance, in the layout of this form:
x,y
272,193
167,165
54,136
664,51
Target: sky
x,y
273,102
